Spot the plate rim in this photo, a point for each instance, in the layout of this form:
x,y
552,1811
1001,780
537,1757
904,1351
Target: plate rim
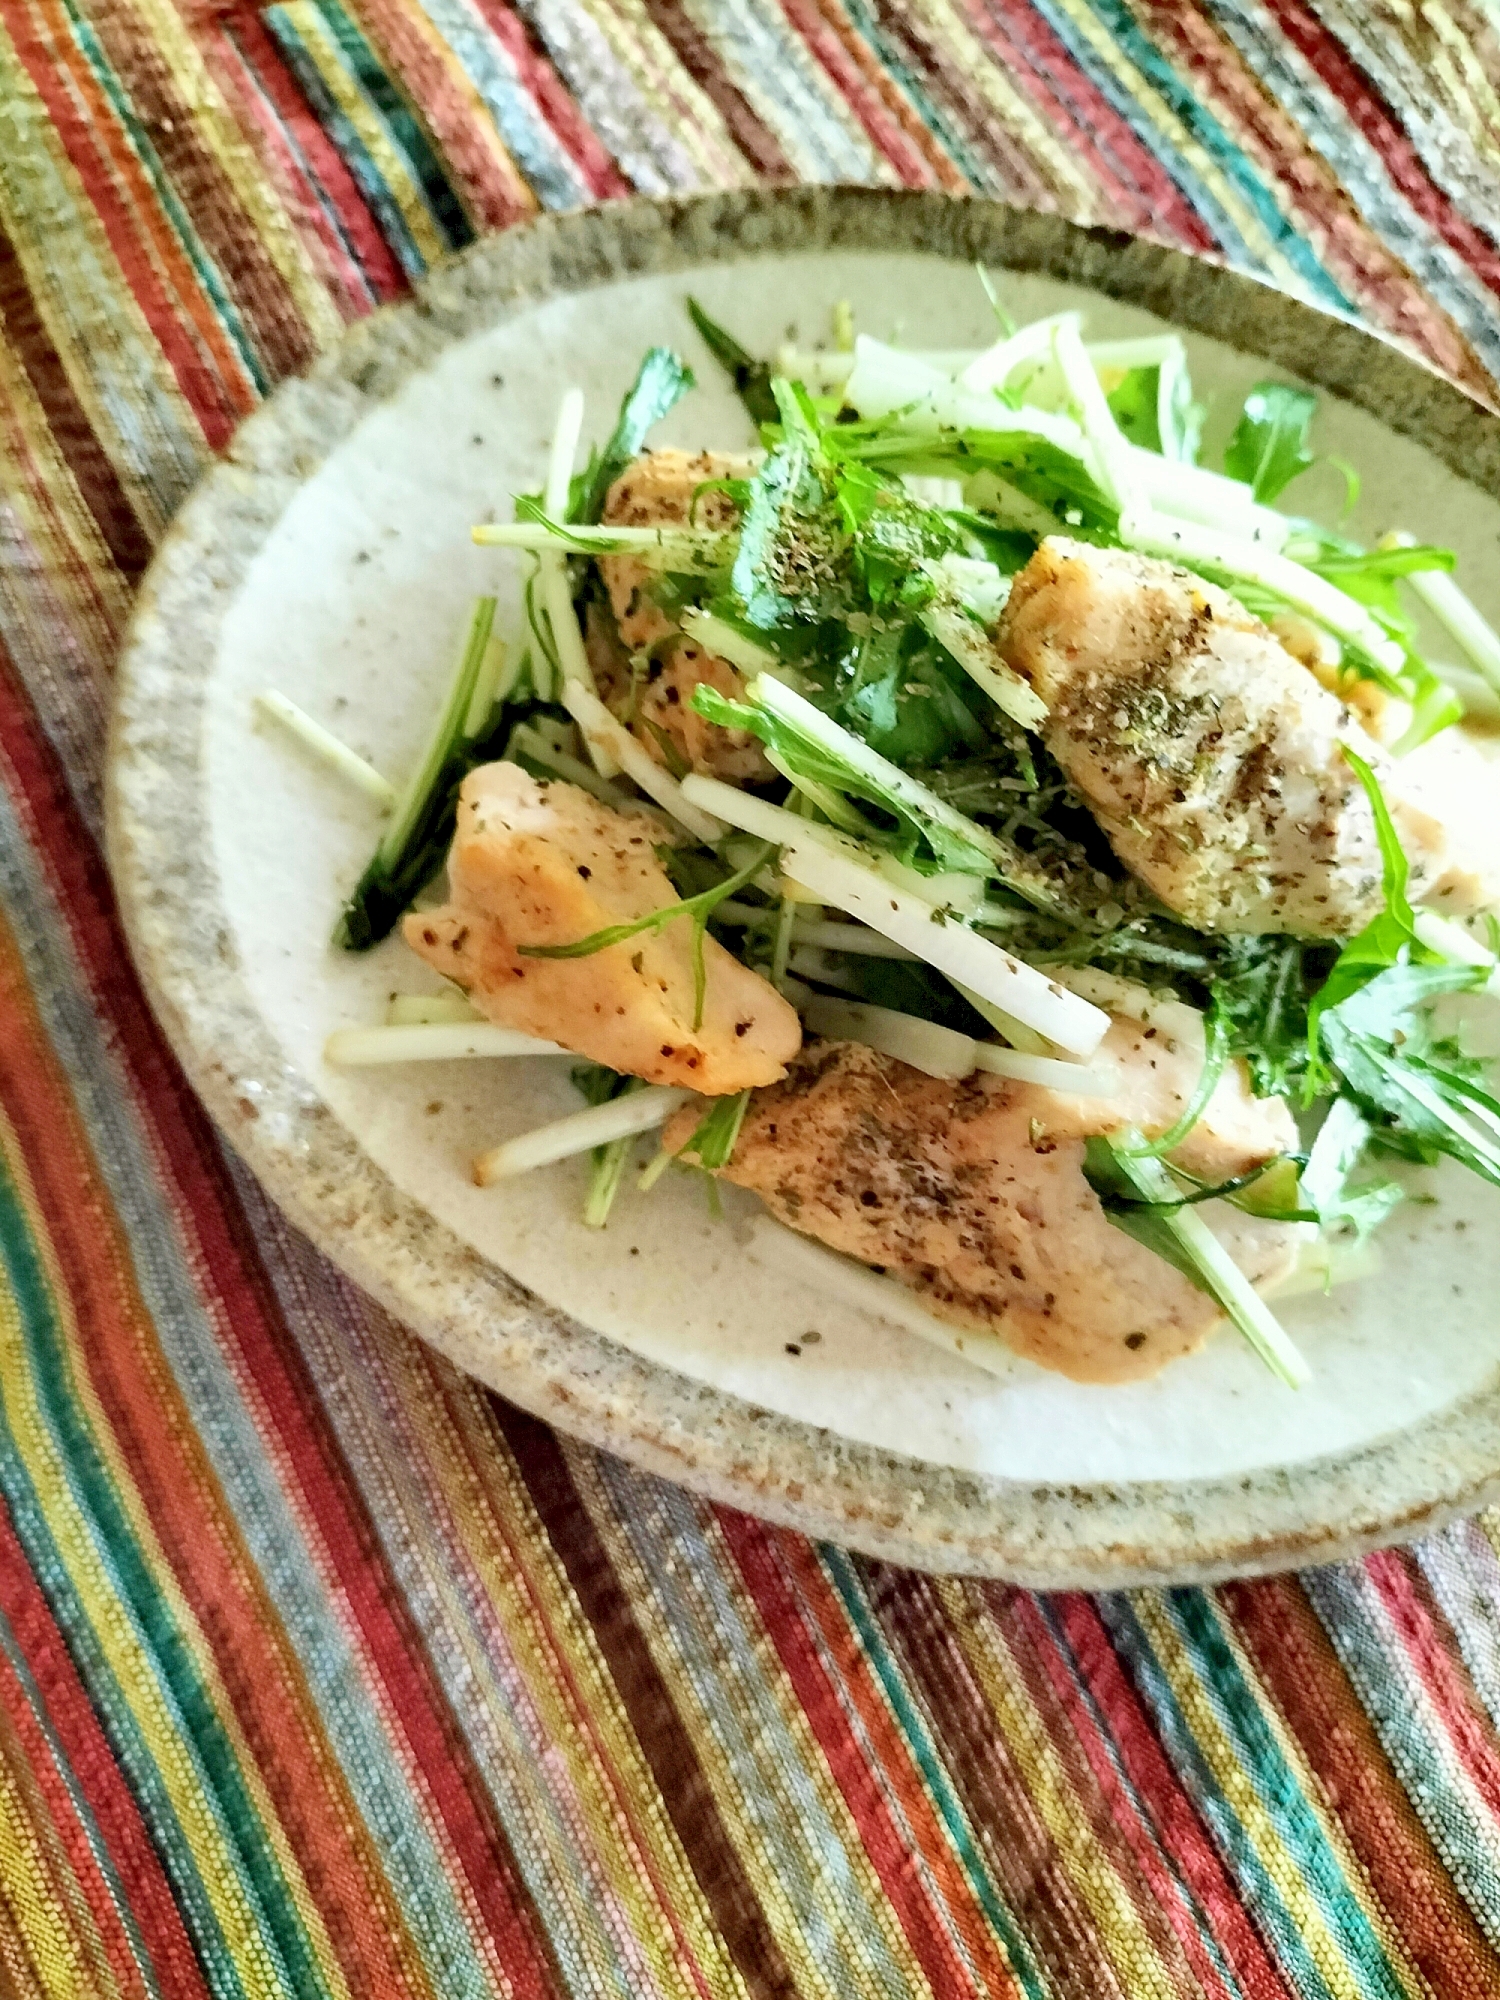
x,y
1038,1534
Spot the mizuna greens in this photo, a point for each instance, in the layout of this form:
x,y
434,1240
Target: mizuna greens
x,y
895,497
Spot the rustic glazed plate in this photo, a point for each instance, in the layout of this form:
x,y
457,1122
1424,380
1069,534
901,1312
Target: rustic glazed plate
x,y
329,555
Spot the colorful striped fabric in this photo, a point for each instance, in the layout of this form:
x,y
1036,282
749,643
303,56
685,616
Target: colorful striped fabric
x,y
322,1672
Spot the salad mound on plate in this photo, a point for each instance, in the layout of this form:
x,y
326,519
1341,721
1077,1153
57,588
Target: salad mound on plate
x,y
1042,868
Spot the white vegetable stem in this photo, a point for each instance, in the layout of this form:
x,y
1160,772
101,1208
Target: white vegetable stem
x,y
1457,615
885,382
620,1118
531,743
552,569
1078,1079
431,1041
1115,459
868,1292
727,642
849,882
935,1050
1185,542
600,727
407,1010
688,549
327,748
974,651
1223,1276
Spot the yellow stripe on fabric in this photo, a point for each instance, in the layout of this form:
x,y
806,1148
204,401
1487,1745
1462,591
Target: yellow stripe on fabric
x,y
1076,189
1143,1973
1237,1784
44,492
105,342
322,50
586,1723
55,1932
1473,101
689,113
219,132
742,1678
1261,245
117,1634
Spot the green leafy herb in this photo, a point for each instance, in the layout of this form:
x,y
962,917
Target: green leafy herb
x,y
716,1134
661,383
1269,448
751,378
1133,402
1337,1151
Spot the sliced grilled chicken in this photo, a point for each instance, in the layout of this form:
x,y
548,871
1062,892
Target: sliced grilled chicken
x,y
539,862
654,696
1214,760
973,1193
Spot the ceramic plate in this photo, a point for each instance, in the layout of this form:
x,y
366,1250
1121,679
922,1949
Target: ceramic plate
x,y
329,555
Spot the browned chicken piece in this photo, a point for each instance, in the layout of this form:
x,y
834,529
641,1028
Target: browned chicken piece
x,y
1214,760
973,1194
656,699
539,862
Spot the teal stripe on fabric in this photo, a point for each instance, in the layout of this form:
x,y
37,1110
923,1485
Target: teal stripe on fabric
x,y
1255,1885
975,171
402,123
208,273
367,176
841,1573
1256,1747
697,1603
383,1796
1201,1919
283,1936
1411,1733
1235,164
89,1660
83,1811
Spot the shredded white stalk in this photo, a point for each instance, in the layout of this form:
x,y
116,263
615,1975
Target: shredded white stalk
x,y
974,652
1231,1287
494,681
1459,617
688,549
1015,1032
856,939
1480,697
1185,542
833,805
848,881
1451,940
1077,1079
1116,460
327,748
808,961
727,642
1212,499
886,1299
552,569
600,727
885,382
767,692
580,1132
992,369
535,746
408,1010
431,1041
935,1050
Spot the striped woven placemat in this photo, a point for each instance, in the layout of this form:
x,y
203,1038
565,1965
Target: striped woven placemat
x,y
321,1671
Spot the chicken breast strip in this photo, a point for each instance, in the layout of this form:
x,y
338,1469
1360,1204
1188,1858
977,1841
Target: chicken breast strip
x,y
1214,760
973,1194
654,696
539,862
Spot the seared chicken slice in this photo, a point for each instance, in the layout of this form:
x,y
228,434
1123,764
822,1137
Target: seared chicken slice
x,y
540,862
973,1193
657,696
1214,760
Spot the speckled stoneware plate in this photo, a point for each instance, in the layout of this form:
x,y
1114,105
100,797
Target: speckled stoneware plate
x,y
329,555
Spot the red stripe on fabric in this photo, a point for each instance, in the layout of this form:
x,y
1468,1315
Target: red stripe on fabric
x,y
1373,118
887,116
186,331
767,1559
698,56
1072,1723
882,130
1173,1814
81,1740
1295,1658
1444,1677
25,1744
176,1489
1359,261
243,1301
245,30
1150,198
554,102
